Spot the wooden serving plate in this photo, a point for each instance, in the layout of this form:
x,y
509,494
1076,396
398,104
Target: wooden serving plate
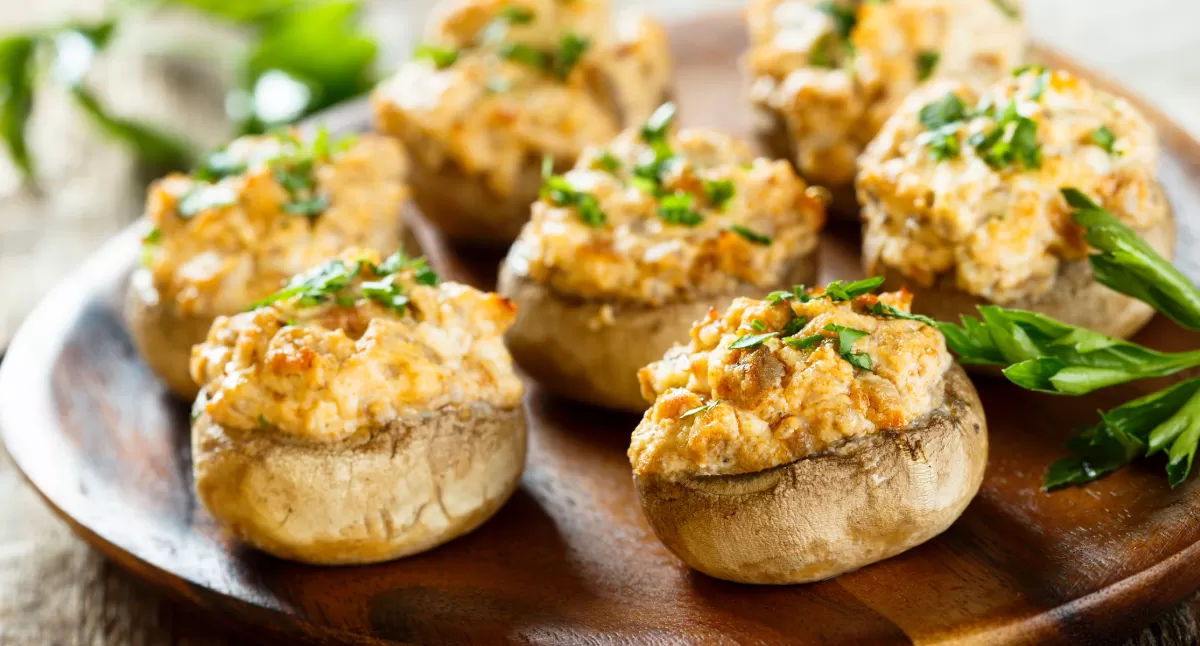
x,y
570,559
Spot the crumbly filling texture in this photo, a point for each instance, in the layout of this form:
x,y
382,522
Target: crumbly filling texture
x,y
500,84
659,216
772,381
353,344
965,185
264,208
835,71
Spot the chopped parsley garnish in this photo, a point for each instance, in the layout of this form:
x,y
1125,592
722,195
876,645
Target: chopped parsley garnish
x,y
942,119
846,338
522,53
659,124
945,111
836,291
778,297
571,49
926,64
387,293
262,422
1012,140
845,18
607,162
1104,138
559,192
153,236
517,15
441,57
1006,7
822,54
718,192
793,326
752,340
677,208
310,207
325,282
218,165
805,342
750,234
700,409
758,326
883,309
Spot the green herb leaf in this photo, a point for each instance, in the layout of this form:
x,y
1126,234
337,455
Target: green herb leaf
x,y
883,309
793,326
778,297
387,293
1013,138
310,207
805,342
752,340
1047,355
846,338
926,64
1127,264
17,78
1008,9
560,192
1166,420
836,291
1104,138
719,192
676,208
571,48
607,162
758,326
314,286
945,111
517,15
750,234
658,125
845,17
522,53
203,197
700,409
156,148
441,57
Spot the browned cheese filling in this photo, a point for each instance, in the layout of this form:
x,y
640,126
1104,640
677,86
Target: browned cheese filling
x,y
353,344
966,184
768,382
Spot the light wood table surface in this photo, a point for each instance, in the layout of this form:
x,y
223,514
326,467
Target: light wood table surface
x,y
56,590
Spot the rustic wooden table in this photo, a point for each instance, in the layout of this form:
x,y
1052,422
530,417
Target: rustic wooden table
x,y
53,588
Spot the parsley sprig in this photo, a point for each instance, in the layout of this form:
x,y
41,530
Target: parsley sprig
x,y
329,282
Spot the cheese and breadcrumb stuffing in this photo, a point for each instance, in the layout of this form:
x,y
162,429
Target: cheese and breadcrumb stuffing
x,y
352,345
660,216
768,382
966,184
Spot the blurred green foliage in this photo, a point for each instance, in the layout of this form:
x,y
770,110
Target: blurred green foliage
x,y
301,56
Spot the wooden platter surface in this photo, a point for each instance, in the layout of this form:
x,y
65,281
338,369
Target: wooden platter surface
x,y
570,559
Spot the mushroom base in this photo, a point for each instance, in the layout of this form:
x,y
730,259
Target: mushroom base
x,y
867,500
162,336
406,488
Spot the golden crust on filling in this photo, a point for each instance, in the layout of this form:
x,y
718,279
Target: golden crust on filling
x,y
999,227
353,345
225,239
721,409
521,79
835,89
716,219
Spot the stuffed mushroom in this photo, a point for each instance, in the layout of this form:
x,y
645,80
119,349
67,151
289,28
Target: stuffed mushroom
x,y
249,217
962,198
826,75
806,435
502,85
365,412
638,241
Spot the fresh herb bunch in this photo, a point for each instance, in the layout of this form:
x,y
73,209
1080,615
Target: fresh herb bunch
x,y
311,51
328,282
1046,355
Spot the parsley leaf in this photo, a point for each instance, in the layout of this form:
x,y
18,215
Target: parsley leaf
x,y
1008,9
203,197
881,308
718,192
758,326
752,340
839,292
676,208
805,342
607,162
313,286
750,234
1127,264
659,124
386,292
845,18
926,64
846,338
571,49
560,192
1104,138
945,111
441,57
517,15
793,326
